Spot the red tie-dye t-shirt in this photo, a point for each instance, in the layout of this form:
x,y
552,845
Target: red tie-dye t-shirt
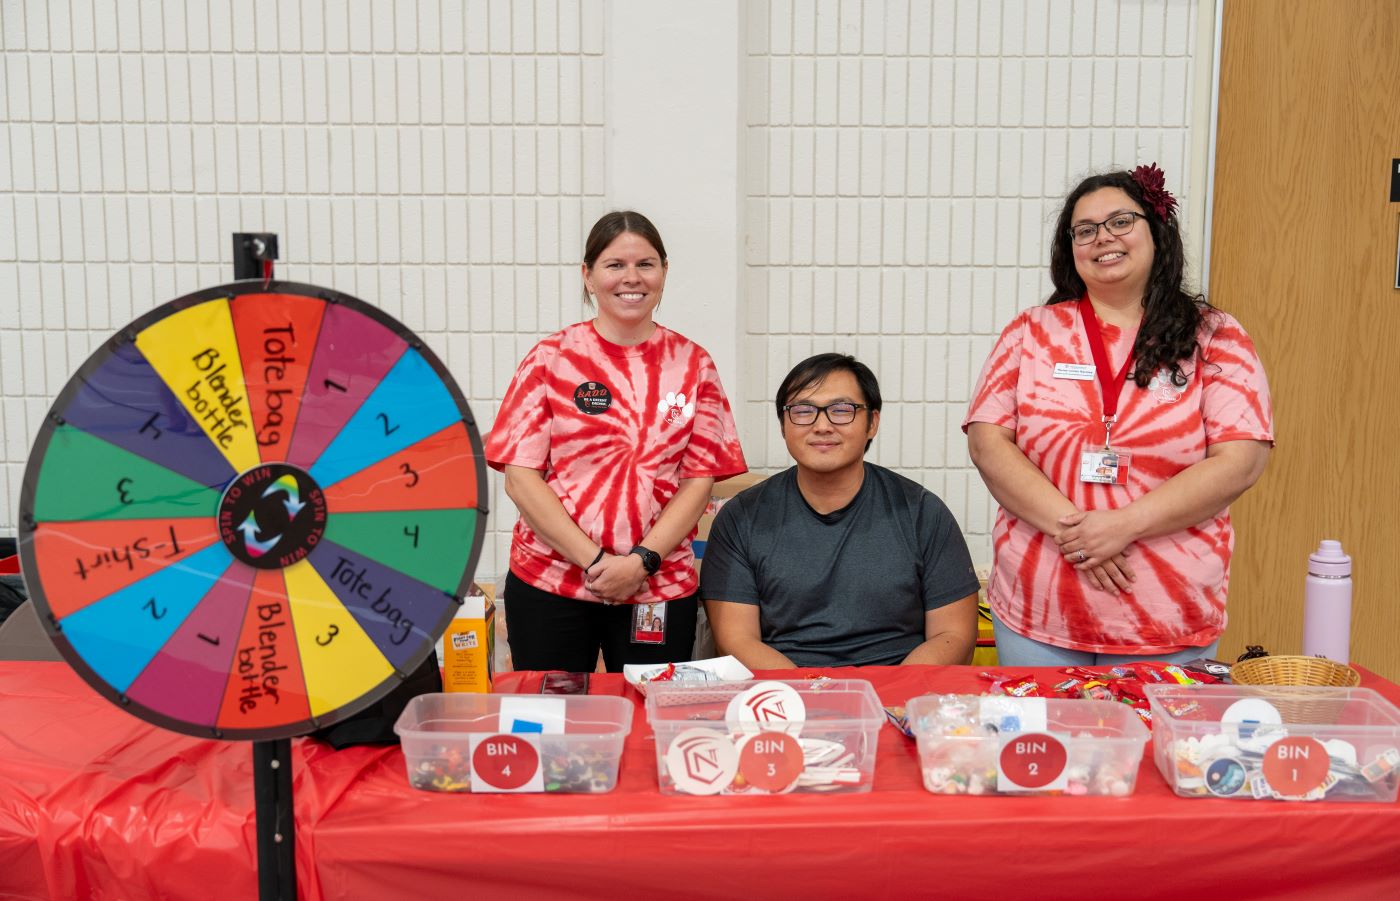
x,y
1178,600
614,429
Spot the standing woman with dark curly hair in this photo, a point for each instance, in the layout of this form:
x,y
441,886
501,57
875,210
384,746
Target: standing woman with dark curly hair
x,y
1114,425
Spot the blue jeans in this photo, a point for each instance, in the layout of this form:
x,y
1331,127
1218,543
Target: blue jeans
x,y
1014,649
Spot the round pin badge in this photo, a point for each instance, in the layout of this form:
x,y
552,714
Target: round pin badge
x,y
768,705
592,398
1224,777
702,762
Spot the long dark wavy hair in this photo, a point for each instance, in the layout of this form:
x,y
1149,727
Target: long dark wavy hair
x,y
1171,315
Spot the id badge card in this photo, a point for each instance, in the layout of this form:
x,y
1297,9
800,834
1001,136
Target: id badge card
x,y
1104,466
649,624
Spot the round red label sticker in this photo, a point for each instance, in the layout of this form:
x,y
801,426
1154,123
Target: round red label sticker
x,y
771,761
1033,760
505,762
1296,765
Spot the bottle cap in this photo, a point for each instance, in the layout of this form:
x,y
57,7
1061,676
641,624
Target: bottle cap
x,y
1328,560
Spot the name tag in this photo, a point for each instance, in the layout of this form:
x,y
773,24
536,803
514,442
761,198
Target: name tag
x,y
649,624
1104,467
1080,372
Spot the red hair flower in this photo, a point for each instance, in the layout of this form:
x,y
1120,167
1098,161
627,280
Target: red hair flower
x,y
1153,182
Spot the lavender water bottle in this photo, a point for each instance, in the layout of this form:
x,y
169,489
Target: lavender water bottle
x,y
1327,604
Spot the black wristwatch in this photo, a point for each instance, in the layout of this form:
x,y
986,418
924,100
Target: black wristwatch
x,y
651,560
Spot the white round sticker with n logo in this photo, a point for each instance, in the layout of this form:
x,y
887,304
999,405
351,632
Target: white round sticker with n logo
x,y
768,705
702,762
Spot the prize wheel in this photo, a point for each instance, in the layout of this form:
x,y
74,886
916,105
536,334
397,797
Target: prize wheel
x,y
252,512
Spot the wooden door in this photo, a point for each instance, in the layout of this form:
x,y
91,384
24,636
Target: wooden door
x,y
1303,253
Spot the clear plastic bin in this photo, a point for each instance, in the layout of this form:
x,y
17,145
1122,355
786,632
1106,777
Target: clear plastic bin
x,y
830,748
997,745
1334,744
453,742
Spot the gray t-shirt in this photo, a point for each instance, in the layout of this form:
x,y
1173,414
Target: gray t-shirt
x,y
844,588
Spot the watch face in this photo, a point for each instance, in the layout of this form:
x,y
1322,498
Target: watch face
x,y
651,560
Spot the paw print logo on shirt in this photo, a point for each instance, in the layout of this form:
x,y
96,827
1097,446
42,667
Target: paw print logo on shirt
x,y
675,408
1162,388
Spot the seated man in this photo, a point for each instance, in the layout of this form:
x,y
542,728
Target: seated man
x,y
836,561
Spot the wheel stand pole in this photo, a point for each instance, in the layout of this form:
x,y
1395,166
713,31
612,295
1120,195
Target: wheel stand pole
x,y
253,254
272,795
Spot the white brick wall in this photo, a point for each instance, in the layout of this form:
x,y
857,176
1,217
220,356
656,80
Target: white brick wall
x,y
874,175
904,162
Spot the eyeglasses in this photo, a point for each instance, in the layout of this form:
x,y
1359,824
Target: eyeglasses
x,y
1117,224
839,413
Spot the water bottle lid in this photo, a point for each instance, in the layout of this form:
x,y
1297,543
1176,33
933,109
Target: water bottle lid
x,y
1328,560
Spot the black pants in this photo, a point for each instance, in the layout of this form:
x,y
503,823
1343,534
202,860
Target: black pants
x,y
549,632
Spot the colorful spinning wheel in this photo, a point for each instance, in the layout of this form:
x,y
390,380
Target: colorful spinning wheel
x,y
252,513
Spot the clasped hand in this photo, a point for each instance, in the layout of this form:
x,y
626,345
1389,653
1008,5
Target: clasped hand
x,y
1096,544
616,578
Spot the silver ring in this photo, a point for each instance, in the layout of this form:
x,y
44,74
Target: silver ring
x,y
1082,558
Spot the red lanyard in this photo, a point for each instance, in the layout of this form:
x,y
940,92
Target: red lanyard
x,y
1111,384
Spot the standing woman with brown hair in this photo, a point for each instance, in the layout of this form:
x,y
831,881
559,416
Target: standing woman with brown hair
x,y
1114,425
610,436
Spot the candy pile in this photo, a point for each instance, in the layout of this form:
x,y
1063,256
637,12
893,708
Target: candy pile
x,y
1119,683
580,769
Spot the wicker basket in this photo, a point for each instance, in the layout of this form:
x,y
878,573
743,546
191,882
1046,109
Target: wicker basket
x,y
1317,671
1289,671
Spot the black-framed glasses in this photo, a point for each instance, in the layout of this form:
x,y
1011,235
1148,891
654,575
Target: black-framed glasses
x,y
840,413
1117,224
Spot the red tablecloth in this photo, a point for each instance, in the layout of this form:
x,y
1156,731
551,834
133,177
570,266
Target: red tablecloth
x,y
95,803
